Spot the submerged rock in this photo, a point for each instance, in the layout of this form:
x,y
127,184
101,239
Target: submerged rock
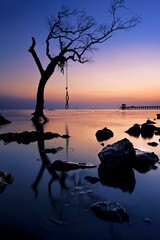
x,y
59,165
92,180
3,120
144,161
5,179
124,180
118,156
28,137
153,144
134,131
104,134
110,211
147,220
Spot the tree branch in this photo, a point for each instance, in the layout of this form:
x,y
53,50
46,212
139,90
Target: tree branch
x,y
34,54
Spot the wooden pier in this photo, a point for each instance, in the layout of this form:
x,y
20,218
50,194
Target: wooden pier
x,y
124,107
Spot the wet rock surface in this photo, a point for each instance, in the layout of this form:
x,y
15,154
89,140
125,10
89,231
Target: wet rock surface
x,y
104,134
3,121
110,211
117,156
28,137
59,165
117,159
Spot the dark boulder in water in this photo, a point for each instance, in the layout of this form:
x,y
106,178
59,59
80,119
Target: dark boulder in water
x,y
144,161
60,166
147,130
111,211
104,134
3,121
134,131
118,156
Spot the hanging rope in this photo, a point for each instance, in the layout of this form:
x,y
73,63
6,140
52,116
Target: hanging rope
x,y
67,95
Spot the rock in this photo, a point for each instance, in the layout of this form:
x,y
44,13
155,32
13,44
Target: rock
x,y
3,185
157,132
104,134
51,150
134,131
92,180
5,179
27,137
147,220
59,165
3,120
118,156
150,122
144,161
124,180
147,130
9,178
153,144
110,211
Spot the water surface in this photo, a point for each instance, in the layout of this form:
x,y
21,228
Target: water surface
x,y
59,206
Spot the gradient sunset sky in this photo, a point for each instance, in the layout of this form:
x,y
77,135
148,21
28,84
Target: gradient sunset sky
x,y
126,68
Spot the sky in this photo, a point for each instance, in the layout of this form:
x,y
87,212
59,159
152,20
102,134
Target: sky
x,y
126,68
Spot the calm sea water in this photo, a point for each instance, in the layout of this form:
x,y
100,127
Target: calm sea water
x,y
58,207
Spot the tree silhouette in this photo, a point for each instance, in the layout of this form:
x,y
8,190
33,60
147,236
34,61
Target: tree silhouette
x,y
76,34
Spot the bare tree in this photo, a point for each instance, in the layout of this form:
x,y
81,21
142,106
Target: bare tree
x,y
76,34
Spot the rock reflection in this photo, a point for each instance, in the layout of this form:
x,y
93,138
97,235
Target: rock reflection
x,y
124,180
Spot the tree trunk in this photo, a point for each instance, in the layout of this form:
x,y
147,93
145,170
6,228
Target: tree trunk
x,y
38,114
40,100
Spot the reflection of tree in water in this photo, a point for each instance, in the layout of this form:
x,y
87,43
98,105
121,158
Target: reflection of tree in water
x,y
46,163
72,191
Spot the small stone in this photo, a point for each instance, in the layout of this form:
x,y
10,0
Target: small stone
x,y
92,180
52,150
153,144
110,211
3,120
147,220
